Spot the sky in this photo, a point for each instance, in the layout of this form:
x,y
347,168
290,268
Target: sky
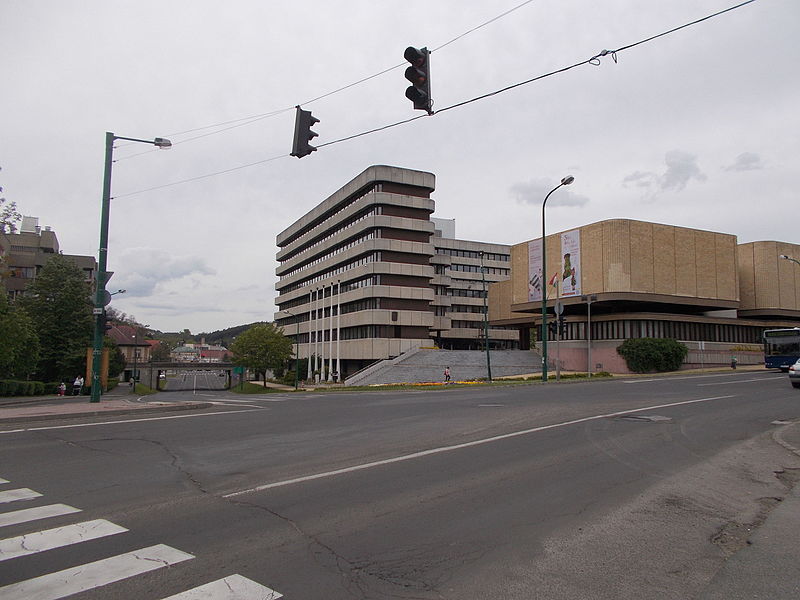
x,y
699,128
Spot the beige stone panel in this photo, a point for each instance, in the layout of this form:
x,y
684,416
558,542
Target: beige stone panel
x,y
685,263
664,275
641,235
706,261
747,290
727,272
553,260
765,265
616,256
592,259
519,273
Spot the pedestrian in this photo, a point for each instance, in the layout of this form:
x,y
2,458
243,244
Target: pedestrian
x,y
62,389
77,386
336,377
733,362
447,374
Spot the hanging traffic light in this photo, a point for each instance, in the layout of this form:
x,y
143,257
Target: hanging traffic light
x,y
419,74
303,122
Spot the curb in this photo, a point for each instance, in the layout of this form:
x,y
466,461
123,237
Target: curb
x,y
144,409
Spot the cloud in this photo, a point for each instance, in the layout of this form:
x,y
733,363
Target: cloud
x,y
681,169
746,161
534,192
145,268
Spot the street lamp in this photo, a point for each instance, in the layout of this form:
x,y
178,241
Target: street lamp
x,y
297,350
794,260
566,181
589,300
101,298
135,353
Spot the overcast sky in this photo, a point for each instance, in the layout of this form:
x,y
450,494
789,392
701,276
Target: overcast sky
x,y
698,128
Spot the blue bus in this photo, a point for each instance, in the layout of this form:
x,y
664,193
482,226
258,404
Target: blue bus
x,y
781,348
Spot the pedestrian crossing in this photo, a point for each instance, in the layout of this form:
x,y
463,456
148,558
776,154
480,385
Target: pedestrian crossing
x,y
99,573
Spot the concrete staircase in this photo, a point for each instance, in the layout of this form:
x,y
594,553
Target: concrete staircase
x,y
427,365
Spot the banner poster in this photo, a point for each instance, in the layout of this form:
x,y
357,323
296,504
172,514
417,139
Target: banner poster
x,y
535,279
571,263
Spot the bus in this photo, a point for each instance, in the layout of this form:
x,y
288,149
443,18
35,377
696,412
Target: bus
x,y
781,348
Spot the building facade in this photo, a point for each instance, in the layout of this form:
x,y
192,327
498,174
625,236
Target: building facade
x,y
366,275
621,279
23,255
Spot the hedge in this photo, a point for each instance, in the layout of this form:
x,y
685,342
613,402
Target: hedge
x,y
645,355
12,387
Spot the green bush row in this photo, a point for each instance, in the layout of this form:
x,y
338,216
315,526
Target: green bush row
x,y
11,387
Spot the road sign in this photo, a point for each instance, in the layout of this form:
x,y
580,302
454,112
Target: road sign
x,y
558,307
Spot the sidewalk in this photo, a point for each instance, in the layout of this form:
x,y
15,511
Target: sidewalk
x,y
769,566
116,402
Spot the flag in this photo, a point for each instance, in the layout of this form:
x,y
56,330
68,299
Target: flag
x,y
553,280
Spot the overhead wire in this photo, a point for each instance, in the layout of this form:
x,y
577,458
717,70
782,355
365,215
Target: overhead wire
x,y
594,60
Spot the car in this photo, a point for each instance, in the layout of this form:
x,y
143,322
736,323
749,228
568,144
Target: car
x,y
794,374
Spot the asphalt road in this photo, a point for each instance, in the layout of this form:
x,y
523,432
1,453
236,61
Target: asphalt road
x,y
633,488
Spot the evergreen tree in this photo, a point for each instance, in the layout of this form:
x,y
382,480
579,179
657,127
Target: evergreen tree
x,y
58,302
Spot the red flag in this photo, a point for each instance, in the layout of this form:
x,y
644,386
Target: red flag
x,y
553,279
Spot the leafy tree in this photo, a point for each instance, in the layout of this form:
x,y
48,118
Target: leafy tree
x,y
58,302
19,350
116,359
160,352
261,348
9,217
644,355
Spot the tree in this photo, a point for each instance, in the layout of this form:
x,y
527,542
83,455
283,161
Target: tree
x,y
116,359
59,304
9,217
19,350
262,348
160,352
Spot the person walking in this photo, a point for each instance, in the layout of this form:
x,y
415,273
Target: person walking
x,y
62,389
447,374
77,386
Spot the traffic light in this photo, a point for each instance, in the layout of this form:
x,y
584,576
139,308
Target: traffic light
x,y
419,74
562,325
303,122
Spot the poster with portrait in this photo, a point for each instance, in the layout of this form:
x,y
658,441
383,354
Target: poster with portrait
x,y
571,263
535,282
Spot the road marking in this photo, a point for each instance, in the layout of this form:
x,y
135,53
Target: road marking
x,y
32,514
95,574
237,404
39,541
729,382
214,414
20,494
668,379
441,449
4,480
234,587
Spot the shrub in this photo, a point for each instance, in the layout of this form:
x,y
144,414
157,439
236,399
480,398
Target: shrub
x,y
645,355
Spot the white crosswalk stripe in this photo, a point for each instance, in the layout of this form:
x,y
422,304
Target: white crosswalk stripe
x,y
81,578
95,574
32,514
39,541
234,587
20,494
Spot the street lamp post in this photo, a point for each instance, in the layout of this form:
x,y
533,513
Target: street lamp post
x,y
589,300
794,260
101,297
566,181
133,377
486,321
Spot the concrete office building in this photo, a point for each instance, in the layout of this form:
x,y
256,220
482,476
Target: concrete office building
x,y
367,275
23,254
623,279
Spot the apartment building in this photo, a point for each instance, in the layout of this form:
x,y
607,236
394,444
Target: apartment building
x,y
368,274
24,254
